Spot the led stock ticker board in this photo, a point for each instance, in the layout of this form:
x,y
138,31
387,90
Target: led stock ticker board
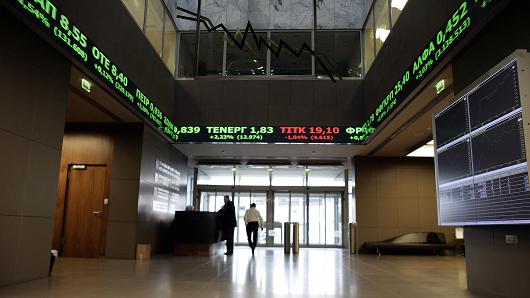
x,y
50,20
45,15
468,15
271,134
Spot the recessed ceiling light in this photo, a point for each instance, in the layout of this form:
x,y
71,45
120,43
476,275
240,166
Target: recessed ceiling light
x,y
426,150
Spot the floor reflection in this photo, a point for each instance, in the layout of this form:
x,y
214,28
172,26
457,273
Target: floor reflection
x,y
270,273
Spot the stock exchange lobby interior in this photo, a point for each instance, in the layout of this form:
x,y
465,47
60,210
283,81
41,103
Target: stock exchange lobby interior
x,y
265,148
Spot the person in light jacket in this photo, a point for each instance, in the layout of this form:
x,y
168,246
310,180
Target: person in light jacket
x,y
253,221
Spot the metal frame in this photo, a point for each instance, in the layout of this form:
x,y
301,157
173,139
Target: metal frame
x,y
268,76
522,59
167,12
270,193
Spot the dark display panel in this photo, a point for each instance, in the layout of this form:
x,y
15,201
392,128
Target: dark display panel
x,y
452,123
454,163
495,190
457,204
503,198
494,98
499,146
269,134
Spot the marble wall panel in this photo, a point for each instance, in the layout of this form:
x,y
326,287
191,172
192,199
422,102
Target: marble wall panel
x,y
215,10
302,14
259,13
280,14
325,14
237,14
184,25
348,14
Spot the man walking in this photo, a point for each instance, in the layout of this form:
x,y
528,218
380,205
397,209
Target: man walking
x,y
227,217
253,221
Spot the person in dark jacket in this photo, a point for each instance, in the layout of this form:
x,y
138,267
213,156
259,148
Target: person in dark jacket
x,y
227,217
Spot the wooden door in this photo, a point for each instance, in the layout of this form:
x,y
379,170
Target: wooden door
x,y
84,221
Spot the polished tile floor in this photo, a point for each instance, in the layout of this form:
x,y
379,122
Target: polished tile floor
x,y
270,273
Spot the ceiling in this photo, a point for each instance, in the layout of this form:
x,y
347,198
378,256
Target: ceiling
x,y
291,152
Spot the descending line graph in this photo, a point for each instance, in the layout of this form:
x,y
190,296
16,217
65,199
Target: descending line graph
x,y
321,59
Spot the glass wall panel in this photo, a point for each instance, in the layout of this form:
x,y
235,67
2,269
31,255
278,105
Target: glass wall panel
x,y
326,176
260,198
317,219
211,54
281,215
299,214
325,219
396,7
369,42
154,24
215,175
170,44
382,23
250,60
288,176
253,175
137,9
333,219
287,63
187,60
241,203
342,50
212,201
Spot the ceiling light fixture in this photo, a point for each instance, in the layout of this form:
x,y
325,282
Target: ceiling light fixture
x,y
398,4
426,150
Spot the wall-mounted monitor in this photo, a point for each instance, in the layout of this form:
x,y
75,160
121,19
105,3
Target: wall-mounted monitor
x,y
480,149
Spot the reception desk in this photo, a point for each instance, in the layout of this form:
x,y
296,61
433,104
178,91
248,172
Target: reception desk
x,y
196,234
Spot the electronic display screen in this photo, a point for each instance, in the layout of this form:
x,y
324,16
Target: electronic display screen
x,y
454,163
270,134
495,188
503,197
452,123
499,146
495,97
468,16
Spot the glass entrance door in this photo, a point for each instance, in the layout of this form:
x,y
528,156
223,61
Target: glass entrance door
x,y
289,207
242,202
318,213
212,201
325,219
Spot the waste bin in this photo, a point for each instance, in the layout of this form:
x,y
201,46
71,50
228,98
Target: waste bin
x,y
287,245
296,242
287,237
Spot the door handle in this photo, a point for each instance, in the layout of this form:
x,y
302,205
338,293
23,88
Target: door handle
x,y
97,213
